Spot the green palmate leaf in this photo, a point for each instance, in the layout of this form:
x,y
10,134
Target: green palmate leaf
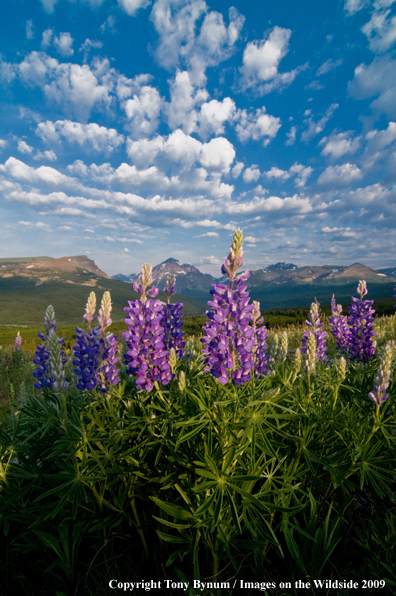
x,y
191,434
173,510
170,538
207,474
206,504
172,524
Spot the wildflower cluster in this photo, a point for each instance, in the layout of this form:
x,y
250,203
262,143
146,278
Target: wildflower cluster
x,y
354,333
147,356
315,327
95,353
231,344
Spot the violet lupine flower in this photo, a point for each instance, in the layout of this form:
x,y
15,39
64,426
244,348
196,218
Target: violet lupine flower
x,y
260,345
95,352
316,327
43,369
171,320
18,342
361,326
229,341
147,356
379,394
339,329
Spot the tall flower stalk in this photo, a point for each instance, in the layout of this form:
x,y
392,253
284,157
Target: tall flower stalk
x,y
147,357
48,357
315,326
361,324
230,343
172,320
95,352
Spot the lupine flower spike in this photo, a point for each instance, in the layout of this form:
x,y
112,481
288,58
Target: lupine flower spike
x,y
43,372
360,322
229,343
297,364
90,309
316,327
147,356
379,395
18,342
172,320
56,361
95,352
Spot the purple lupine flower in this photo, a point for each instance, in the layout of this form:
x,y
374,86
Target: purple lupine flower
x,y
171,320
379,394
360,322
147,356
260,345
229,343
18,342
43,372
316,327
339,328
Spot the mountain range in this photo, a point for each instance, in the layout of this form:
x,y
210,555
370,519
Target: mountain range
x,y
28,285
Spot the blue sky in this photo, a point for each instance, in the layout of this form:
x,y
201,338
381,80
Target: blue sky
x,y
138,130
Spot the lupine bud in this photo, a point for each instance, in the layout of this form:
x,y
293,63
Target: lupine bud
x,y
235,257
316,326
18,342
49,319
362,288
379,394
284,345
170,287
104,317
340,369
297,363
56,361
90,309
310,353
182,381
172,359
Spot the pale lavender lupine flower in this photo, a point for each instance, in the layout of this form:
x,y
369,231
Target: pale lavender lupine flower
x,y
18,342
316,327
379,395
56,362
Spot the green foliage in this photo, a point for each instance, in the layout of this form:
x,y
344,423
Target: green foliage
x,y
206,481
